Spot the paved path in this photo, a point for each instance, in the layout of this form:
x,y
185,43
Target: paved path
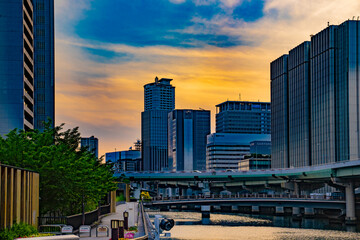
x,y
135,219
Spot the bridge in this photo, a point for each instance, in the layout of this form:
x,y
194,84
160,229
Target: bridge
x,y
342,175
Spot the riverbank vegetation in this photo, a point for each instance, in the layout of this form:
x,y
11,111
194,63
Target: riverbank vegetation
x,y
68,176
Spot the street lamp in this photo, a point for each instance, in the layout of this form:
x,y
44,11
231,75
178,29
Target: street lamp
x,y
126,220
114,229
121,229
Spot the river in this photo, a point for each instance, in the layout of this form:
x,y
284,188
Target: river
x,y
224,226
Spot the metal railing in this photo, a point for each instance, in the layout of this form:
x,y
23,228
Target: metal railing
x,y
75,220
254,195
148,226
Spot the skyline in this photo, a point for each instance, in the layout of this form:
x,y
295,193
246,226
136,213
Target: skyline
x,y
210,48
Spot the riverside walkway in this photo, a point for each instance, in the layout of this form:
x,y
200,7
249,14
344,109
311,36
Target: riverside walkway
x,y
135,219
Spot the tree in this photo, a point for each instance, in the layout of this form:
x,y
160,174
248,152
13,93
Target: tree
x,y
67,175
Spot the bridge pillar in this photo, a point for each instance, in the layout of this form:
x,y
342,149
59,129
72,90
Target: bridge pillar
x,y
127,192
255,209
205,214
309,212
279,210
350,203
183,192
296,189
296,211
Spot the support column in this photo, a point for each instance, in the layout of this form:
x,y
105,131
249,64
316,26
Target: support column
x,y
350,203
296,189
255,209
127,193
279,210
309,212
295,211
205,214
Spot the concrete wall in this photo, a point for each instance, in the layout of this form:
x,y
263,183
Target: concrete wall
x,y
19,196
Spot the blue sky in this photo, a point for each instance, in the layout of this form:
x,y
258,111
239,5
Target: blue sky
x,y
106,50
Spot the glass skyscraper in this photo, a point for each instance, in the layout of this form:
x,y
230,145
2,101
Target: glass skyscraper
x,y
44,83
16,65
159,100
21,52
187,131
243,117
91,144
322,104
279,113
299,105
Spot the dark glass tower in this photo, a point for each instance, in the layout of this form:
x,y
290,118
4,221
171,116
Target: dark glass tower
x,y
299,105
44,62
159,100
279,113
243,117
187,135
323,112
26,64
16,65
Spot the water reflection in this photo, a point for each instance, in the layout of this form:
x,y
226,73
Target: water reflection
x,y
190,226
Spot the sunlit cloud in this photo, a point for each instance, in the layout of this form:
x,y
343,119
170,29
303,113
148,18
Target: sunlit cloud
x,y
218,52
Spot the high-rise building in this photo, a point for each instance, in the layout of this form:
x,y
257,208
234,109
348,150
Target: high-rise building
x,y
129,160
243,117
226,150
91,144
159,100
44,70
279,112
16,65
187,131
26,63
237,124
315,95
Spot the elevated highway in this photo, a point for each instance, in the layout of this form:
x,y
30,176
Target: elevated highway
x,y
342,175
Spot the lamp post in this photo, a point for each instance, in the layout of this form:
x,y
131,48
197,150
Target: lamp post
x,y
121,229
126,220
114,229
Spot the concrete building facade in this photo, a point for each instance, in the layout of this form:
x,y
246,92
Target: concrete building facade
x,y
187,131
226,150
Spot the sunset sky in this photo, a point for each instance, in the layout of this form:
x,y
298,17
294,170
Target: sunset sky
x,y
106,50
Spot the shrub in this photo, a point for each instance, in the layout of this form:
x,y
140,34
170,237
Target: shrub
x,y
23,230
18,230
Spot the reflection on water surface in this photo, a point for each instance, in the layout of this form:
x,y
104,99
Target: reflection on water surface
x,y
241,226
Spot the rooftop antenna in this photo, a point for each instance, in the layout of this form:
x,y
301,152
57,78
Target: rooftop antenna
x,y
239,96
353,17
328,23
357,18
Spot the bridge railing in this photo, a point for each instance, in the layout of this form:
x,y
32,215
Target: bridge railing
x,y
253,195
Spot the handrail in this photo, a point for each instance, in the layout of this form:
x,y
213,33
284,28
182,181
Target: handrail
x,y
252,196
146,236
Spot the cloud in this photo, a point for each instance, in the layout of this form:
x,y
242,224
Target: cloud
x,y
213,51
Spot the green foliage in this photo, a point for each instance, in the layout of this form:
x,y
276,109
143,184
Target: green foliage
x,y
133,228
120,198
67,175
7,235
18,230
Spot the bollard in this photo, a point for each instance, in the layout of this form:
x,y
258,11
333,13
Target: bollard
x,y
114,229
121,229
126,220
